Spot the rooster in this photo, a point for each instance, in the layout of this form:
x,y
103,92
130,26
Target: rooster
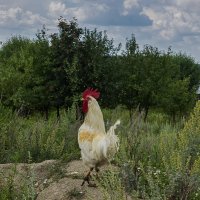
x,y
97,146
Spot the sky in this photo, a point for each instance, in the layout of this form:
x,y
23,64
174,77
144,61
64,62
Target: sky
x,y
160,23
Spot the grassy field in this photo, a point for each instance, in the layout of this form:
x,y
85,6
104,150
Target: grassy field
x,y
157,159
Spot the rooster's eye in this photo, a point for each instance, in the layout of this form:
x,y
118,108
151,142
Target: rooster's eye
x,y
89,101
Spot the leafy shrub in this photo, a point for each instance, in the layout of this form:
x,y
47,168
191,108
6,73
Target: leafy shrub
x,y
170,165
50,139
156,160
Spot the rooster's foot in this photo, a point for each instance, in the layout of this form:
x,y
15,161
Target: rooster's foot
x,y
87,177
92,185
97,169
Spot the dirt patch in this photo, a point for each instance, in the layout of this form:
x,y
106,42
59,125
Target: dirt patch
x,y
52,180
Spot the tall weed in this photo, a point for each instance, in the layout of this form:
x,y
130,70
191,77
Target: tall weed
x,y
156,159
50,139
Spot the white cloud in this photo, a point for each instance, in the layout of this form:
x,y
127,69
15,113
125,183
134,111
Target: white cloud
x,y
30,19
17,16
101,7
82,13
172,21
57,8
8,14
76,1
188,4
129,5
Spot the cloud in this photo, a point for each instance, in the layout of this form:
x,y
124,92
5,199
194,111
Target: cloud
x,y
82,13
160,23
189,5
17,17
172,21
19,21
129,5
103,13
57,7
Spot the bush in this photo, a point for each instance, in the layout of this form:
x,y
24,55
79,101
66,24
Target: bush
x,y
168,165
160,160
156,159
50,139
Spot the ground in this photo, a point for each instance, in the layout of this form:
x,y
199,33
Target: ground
x,y
51,179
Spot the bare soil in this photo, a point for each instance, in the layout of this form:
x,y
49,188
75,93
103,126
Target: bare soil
x,y
52,180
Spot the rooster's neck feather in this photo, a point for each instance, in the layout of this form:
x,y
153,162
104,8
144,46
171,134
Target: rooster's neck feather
x,y
94,116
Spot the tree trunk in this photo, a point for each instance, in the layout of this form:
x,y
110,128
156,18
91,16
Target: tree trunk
x,y
146,113
46,113
131,116
79,114
174,117
58,112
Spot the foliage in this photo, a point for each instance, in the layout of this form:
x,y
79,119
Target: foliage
x,y
11,190
183,163
128,83
111,185
43,139
75,194
16,63
52,70
63,54
178,100
157,159
162,164
98,65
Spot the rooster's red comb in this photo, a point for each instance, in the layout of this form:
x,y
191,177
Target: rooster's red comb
x,y
91,92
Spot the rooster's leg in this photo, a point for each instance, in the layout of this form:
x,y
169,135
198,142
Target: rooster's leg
x,y
97,172
87,177
97,169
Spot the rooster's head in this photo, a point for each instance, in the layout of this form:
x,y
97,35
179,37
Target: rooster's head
x,y
86,97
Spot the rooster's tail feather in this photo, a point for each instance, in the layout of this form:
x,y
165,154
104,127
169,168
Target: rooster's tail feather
x,y
113,141
112,128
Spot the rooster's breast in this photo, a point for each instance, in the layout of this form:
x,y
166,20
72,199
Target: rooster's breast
x,y
85,136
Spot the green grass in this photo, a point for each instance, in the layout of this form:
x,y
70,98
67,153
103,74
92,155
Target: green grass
x,y
50,139
157,159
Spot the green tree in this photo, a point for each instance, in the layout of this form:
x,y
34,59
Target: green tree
x,y
188,69
178,96
16,64
41,73
151,77
98,65
142,76
129,75
64,49
177,99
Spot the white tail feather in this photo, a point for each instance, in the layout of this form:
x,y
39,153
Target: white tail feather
x,y
114,141
112,128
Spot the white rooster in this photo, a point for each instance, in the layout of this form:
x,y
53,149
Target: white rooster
x,y
97,146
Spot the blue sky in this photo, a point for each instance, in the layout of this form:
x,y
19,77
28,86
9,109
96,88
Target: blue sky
x,y
160,23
